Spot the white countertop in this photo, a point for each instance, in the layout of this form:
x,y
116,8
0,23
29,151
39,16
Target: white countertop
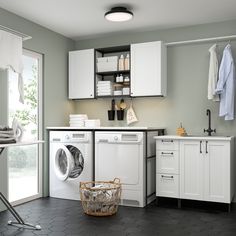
x,y
195,137
103,128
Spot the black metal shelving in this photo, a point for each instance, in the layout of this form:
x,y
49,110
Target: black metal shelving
x,y
106,73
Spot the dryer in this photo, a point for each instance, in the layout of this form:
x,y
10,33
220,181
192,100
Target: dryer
x,y
71,162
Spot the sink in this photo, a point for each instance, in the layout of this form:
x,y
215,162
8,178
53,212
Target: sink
x,y
206,136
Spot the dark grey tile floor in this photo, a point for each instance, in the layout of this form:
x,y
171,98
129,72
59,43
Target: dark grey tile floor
x,y
66,218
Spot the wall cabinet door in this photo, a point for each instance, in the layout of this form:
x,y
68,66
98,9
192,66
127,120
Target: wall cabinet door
x,y
217,171
191,170
81,74
148,69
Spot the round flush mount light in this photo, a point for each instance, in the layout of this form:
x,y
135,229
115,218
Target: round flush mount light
x,y
118,14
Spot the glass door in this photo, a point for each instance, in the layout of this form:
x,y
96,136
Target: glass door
x,y
25,162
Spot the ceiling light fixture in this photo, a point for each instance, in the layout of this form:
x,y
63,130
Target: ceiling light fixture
x,y
118,14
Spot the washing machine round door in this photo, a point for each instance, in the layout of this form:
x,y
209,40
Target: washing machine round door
x,y
63,163
68,162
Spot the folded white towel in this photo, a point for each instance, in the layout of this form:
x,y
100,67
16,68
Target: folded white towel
x,y
6,135
105,94
7,140
104,90
10,132
104,82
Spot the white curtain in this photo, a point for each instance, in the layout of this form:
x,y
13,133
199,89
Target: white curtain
x,y
11,57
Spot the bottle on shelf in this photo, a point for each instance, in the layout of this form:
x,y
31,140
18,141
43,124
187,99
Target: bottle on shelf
x,y
121,62
121,78
117,78
127,62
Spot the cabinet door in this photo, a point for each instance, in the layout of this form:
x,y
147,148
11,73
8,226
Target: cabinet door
x,y
217,171
191,170
81,74
148,69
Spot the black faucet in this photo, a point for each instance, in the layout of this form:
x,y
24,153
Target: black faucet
x,y
209,130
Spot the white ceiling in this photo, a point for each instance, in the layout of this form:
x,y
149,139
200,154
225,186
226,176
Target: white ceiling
x,y
79,19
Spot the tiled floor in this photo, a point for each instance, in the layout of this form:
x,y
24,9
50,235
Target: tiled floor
x,y
66,218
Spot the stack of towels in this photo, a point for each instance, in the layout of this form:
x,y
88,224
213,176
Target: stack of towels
x,y
7,135
77,120
104,88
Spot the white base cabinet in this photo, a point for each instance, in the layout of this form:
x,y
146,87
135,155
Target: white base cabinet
x,y
205,168
167,168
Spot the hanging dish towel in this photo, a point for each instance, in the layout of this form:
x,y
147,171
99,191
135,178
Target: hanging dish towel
x,y
226,84
213,74
11,57
130,115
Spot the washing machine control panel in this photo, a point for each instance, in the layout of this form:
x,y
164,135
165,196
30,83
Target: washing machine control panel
x,y
70,136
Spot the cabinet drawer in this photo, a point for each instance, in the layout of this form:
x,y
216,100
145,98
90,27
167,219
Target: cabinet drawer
x,y
167,144
167,185
167,162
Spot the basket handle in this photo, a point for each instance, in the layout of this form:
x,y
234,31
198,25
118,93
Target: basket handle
x,y
116,181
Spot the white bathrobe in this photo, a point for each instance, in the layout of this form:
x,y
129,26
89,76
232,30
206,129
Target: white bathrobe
x,y
226,84
213,74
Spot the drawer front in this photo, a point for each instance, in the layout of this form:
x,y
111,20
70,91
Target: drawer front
x,y
167,185
167,144
167,162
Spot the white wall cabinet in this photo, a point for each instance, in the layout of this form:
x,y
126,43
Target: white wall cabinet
x,y
81,74
205,168
148,73
148,69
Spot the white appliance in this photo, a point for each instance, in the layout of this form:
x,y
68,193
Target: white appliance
x,y
71,161
122,155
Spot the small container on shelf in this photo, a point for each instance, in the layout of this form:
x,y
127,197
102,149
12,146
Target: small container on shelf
x,y
107,64
126,91
126,79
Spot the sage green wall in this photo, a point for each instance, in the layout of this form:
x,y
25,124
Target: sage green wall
x,y
187,71
54,48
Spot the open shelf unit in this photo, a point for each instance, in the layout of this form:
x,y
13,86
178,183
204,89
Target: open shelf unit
x,y
111,75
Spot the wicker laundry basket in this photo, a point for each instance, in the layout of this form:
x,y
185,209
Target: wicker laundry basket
x,y
100,198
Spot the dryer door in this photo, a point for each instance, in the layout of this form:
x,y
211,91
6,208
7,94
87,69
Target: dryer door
x,y
68,162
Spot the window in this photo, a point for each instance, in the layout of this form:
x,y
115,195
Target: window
x,y
24,162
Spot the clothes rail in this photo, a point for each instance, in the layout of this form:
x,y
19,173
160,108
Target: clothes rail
x,y
24,36
223,38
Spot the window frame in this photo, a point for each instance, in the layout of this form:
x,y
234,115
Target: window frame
x,y
39,57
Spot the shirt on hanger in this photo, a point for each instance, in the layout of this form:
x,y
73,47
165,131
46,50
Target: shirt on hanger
x,y
226,84
213,74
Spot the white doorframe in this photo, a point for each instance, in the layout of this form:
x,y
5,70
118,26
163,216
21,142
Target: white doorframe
x,y
38,56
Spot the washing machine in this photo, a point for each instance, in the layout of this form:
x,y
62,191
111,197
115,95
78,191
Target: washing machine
x,y
71,162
